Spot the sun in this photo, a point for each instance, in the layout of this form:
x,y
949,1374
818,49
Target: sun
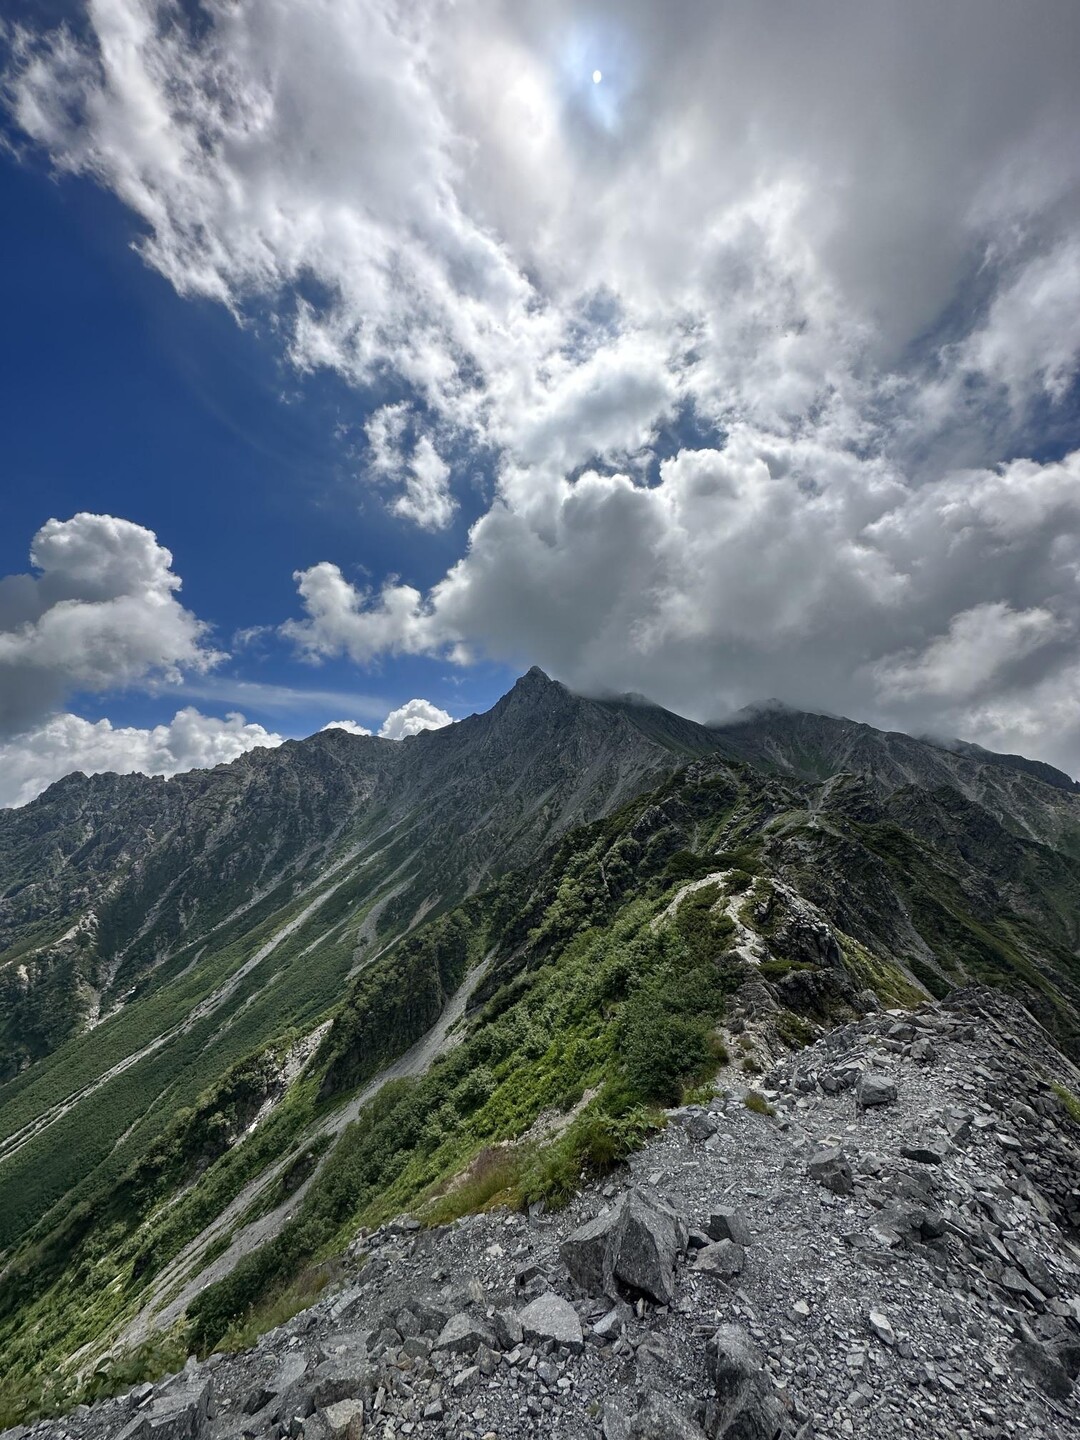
x,y
596,77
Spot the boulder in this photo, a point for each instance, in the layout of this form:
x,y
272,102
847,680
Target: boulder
x,y
744,1405
507,1328
1044,1367
652,1238
463,1334
345,1376
658,1419
724,1258
727,1223
924,1152
182,1412
874,1089
550,1317
590,1253
829,1167
345,1419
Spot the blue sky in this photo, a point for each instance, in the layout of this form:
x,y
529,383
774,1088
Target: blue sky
x,y
122,397
699,351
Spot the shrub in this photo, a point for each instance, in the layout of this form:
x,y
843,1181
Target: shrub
x,y
661,1050
595,1143
794,1030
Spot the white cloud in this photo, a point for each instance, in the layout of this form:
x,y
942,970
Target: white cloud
x,y
64,743
411,718
414,465
101,613
350,726
840,251
344,620
960,665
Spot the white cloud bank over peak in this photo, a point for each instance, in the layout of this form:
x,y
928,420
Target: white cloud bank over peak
x,y
411,718
64,743
408,719
101,613
821,262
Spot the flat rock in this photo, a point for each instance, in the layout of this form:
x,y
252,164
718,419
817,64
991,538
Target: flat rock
x,y
550,1317
723,1258
463,1334
875,1089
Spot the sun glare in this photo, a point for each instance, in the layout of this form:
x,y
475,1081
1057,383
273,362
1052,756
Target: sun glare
x,y
596,77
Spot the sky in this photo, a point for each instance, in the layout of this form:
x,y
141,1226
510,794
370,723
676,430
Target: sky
x,y
357,355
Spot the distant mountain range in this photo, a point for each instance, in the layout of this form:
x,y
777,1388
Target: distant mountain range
x,y
203,979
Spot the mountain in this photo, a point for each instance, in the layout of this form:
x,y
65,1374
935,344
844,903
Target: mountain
x,y
248,1010
106,881
815,747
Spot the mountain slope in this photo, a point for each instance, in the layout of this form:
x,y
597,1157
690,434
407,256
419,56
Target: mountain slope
x,y
814,747
289,935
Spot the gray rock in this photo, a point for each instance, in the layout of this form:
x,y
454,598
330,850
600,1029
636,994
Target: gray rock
x,y
874,1089
507,1328
182,1412
652,1239
609,1326
829,1167
924,1152
658,1419
463,1334
590,1253
346,1376
615,1421
345,1419
289,1373
550,1317
700,1126
881,1327
744,1405
727,1223
1045,1368
724,1258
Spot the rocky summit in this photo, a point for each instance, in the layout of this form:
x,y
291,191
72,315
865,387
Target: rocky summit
x,y
576,1070
937,1292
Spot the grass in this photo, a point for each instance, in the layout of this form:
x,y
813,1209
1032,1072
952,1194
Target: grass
x,y
756,1103
279,1307
1069,1100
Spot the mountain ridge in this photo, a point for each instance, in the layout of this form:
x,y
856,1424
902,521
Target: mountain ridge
x,y
328,976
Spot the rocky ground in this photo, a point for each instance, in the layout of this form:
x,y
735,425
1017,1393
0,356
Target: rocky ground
x,y
894,1251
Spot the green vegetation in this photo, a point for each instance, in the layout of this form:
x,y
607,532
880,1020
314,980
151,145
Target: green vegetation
x,y
757,1104
1069,1100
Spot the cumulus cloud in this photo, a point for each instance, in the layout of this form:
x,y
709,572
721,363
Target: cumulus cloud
x,y
411,718
100,613
758,331
350,726
64,743
407,719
